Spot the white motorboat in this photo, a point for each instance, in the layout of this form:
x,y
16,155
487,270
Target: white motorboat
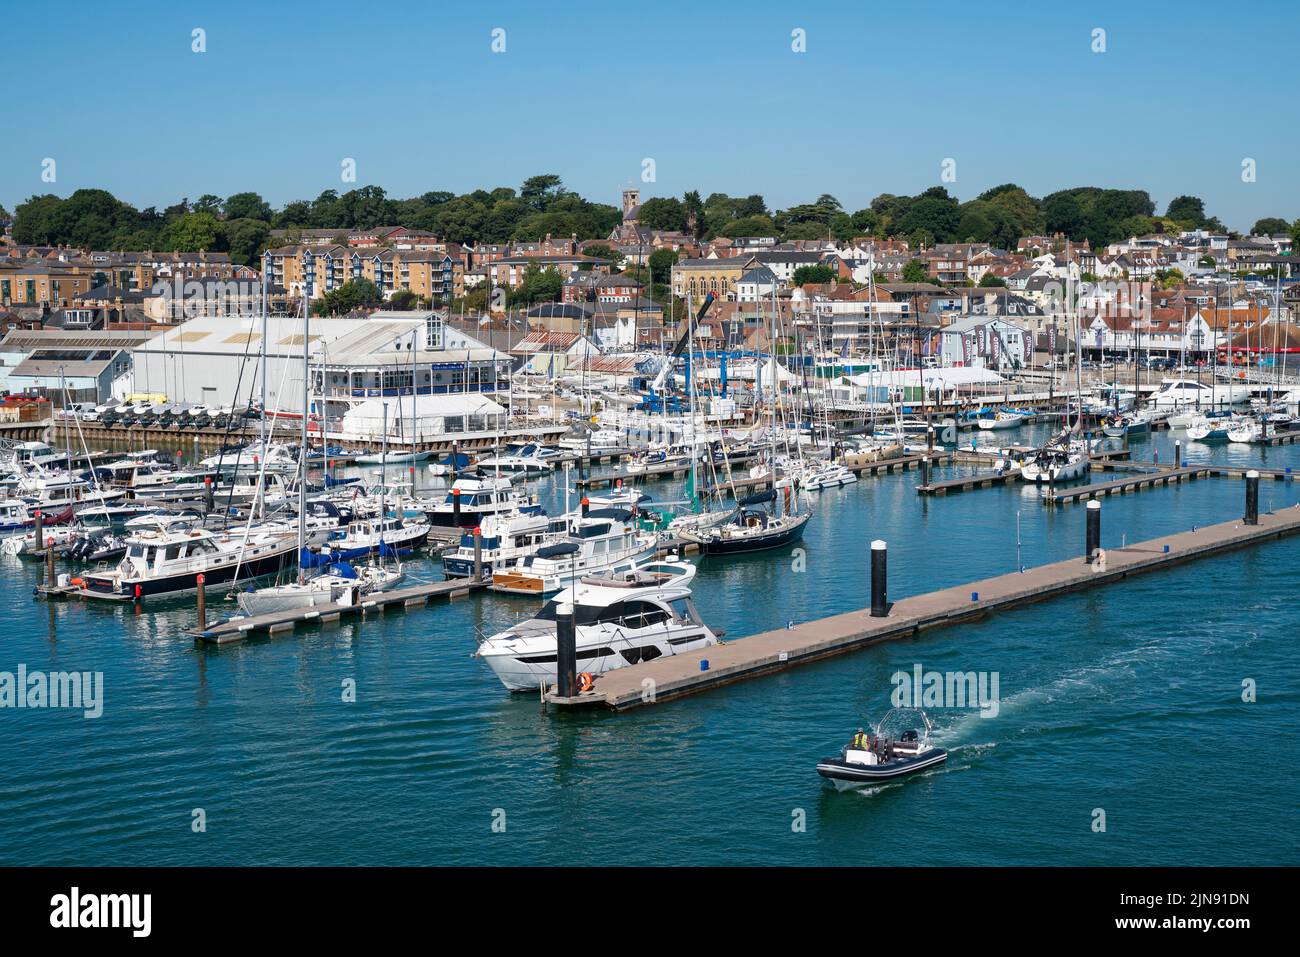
x,y
271,457
503,540
1181,394
595,440
366,535
391,458
24,455
526,459
472,498
169,562
826,476
340,584
620,619
604,540
900,745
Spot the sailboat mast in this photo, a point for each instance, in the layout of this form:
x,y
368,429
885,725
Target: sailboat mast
x,y
306,409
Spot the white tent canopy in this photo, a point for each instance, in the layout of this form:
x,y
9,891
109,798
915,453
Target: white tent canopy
x,y
945,377
749,370
435,416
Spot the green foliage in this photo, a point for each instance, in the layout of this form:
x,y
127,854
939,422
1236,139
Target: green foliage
x,y
193,232
247,206
915,271
813,274
1186,209
403,300
246,239
602,251
353,294
663,213
540,191
750,226
1167,278
661,265
1269,226
539,285
990,280
1095,214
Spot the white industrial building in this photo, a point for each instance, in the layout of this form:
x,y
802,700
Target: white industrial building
x,y
216,361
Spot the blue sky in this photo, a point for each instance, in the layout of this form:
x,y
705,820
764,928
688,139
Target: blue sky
x,y
711,91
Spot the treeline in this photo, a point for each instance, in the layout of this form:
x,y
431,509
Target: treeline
x,y
241,224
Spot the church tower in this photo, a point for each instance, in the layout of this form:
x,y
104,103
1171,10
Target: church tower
x,y
631,205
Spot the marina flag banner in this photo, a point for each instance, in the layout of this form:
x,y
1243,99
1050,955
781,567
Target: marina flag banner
x,y
1051,339
1027,346
981,337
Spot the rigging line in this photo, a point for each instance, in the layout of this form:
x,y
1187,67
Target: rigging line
x,y
221,456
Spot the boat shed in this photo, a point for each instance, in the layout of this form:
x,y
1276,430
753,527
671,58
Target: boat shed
x,y
216,361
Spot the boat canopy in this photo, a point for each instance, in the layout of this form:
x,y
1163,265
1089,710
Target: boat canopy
x,y
560,548
759,498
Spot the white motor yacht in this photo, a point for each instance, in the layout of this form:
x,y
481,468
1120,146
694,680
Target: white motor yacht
x,y
620,620
604,540
503,540
167,562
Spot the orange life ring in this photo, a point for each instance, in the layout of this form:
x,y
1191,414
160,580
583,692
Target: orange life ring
x,y
585,681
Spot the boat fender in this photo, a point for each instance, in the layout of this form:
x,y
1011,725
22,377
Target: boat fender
x,y
585,682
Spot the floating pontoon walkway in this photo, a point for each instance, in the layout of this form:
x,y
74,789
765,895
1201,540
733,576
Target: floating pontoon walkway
x,y
237,629
773,651
966,483
1123,486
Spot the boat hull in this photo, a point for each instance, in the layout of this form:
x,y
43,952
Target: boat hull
x,y
179,584
756,543
846,776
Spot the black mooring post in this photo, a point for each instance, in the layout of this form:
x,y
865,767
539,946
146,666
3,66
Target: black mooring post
x,y
925,471
585,506
1094,531
455,507
1252,498
1178,453
478,554
566,653
879,590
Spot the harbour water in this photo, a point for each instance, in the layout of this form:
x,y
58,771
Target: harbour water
x,y
1126,699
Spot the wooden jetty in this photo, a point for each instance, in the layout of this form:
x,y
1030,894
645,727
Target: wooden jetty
x,y
413,596
1133,483
675,676
966,483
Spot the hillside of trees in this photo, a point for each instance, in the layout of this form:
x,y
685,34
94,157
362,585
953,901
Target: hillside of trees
x,y
240,224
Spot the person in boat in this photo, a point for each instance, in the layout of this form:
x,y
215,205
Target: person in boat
x,y
861,742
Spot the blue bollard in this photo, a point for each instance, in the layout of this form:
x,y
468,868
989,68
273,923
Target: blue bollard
x,y
704,664
1166,549
974,596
